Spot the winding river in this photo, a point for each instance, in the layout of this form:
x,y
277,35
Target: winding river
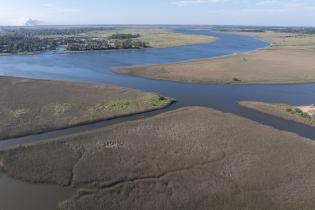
x,y
95,67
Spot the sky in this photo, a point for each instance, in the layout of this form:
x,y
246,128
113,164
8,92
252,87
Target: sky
x,y
201,12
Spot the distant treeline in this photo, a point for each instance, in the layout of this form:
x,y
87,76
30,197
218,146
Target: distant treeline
x,y
296,30
301,30
50,31
124,36
27,40
91,44
253,30
23,44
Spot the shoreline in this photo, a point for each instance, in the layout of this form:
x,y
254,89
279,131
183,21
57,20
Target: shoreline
x,y
196,60
206,71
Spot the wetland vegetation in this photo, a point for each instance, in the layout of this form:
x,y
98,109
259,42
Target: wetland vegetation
x,y
34,106
188,158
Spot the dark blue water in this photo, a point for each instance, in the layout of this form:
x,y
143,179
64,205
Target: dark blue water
x,y
95,67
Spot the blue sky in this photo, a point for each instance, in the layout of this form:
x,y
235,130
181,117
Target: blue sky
x,y
234,12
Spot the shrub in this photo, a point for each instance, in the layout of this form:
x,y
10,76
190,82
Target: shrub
x,y
113,106
18,113
62,108
288,110
161,101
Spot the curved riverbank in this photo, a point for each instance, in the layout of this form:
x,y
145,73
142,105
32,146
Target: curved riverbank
x,y
288,61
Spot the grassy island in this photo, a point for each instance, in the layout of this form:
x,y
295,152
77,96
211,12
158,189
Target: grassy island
x,y
34,106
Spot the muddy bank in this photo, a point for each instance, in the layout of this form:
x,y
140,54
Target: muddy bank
x,y
290,60
283,111
189,158
34,106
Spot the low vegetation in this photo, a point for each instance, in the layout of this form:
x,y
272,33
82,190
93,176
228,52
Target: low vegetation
x,y
113,106
191,158
18,113
161,101
51,105
298,112
62,108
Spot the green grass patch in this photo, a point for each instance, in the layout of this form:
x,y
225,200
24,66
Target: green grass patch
x,y
299,112
161,101
113,106
59,109
18,113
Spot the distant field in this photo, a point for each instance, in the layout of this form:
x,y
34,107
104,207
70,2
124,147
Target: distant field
x,y
33,106
286,40
290,60
158,38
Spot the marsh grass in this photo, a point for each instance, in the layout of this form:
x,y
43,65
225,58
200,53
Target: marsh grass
x,y
18,113
60,109
299,112
161,101
113,106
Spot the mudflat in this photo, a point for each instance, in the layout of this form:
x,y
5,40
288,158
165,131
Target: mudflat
x,y
284,111
290,60
191,158
33,106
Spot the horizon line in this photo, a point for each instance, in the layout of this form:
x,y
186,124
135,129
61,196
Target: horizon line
x,y
136,24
